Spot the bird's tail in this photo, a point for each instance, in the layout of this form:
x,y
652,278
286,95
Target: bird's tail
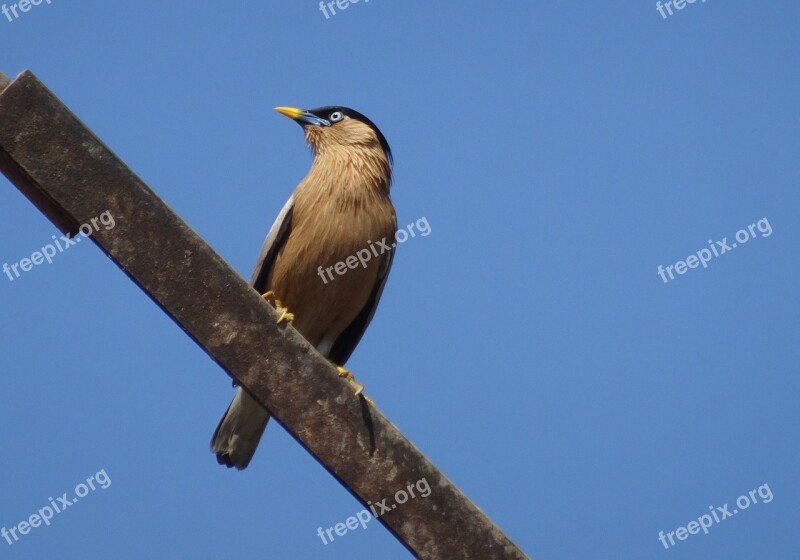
x,y
237,436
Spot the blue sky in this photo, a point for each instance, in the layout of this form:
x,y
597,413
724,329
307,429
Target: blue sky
x,y
560,151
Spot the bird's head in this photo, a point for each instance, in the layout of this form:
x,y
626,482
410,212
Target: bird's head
x,y
332,129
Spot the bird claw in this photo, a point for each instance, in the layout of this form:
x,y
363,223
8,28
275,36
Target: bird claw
x,y
284,315
270,298
349,376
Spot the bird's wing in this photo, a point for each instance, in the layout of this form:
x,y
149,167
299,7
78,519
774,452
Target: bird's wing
x,y
348,340
275,239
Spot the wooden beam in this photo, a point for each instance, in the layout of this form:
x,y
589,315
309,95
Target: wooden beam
x,y
72,177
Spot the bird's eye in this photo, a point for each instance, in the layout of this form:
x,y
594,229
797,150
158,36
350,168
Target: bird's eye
x,y
336,116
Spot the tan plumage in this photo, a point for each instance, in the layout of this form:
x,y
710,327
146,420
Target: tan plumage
x,y
340,207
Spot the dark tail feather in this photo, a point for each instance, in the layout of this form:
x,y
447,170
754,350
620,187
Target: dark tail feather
x,y
235,440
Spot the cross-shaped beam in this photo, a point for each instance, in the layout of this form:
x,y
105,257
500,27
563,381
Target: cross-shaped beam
x,y
72,177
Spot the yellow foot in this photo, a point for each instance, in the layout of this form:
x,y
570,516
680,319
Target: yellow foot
x,y
284,316
349,376
270,297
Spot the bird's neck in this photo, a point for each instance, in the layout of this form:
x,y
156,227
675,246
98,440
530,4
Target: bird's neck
x,y
359,170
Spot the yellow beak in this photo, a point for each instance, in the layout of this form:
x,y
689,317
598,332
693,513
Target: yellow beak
x,y
301,117
291,112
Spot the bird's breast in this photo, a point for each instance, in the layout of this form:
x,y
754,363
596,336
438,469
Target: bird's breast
x,y
336,249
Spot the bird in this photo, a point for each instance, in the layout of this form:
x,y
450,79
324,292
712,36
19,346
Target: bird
x,y
341,207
